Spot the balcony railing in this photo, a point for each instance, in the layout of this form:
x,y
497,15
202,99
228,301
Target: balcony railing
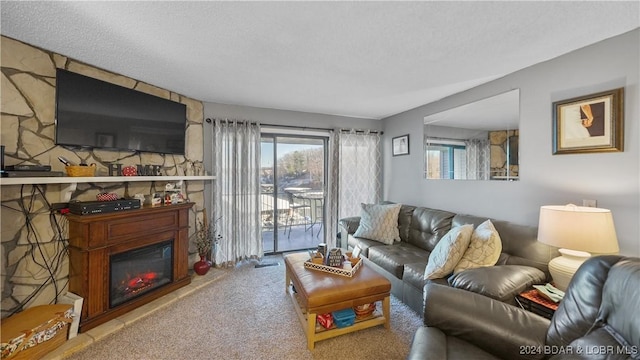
x,y
298,214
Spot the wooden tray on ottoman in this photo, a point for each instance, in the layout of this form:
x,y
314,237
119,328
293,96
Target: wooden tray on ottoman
x,y
333,270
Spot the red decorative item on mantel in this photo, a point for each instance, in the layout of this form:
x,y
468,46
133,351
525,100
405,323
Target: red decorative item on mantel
x,y
129,171
107,197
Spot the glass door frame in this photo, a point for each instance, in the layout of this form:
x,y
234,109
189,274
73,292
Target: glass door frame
x,y
274,135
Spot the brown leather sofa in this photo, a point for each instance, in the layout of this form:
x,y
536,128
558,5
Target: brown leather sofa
x,y
597,319
523,260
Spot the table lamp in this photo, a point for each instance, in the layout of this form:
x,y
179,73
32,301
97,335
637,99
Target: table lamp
x,y
578,231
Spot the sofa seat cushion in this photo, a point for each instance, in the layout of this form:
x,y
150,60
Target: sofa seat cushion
x,y
363,243
393,257
460,349
414,274
431,343
501,282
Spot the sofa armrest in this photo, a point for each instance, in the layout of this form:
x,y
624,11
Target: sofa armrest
x,y
428,343
501,329
500,282
350,224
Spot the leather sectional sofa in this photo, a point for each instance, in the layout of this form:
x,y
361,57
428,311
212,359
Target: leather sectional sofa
x,y
523,260
597,319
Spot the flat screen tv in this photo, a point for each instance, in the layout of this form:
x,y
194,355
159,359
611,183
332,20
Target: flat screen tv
x,y
91,113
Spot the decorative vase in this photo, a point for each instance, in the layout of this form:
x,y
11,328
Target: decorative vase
x,y
202,267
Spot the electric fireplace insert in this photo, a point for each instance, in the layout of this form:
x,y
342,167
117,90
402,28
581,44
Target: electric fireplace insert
x,y
139,271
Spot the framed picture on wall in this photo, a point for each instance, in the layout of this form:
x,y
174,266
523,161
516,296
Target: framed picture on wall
x,y
591,123
400,145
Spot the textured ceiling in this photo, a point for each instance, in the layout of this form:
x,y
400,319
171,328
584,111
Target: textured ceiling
x,y
360,59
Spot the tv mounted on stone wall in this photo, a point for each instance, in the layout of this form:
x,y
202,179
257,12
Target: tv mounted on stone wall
x,y
91,113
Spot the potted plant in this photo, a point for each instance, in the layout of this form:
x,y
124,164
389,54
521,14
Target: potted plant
x,y
206,239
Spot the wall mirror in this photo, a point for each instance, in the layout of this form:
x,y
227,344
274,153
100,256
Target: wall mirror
x,y
476,141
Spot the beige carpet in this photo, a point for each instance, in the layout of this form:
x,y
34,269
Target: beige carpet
x,y
247,315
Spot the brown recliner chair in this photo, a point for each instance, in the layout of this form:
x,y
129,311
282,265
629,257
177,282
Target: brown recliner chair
x,y
599,318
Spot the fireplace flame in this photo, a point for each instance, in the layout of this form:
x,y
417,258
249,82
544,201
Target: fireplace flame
x,y
140,282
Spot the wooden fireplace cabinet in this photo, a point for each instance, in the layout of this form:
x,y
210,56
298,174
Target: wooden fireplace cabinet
x,y
94,238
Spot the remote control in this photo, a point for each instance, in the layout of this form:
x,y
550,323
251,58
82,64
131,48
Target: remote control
x,y
65,161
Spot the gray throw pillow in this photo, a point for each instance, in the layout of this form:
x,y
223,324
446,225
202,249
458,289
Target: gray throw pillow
x,y
379,223
448,252
484,248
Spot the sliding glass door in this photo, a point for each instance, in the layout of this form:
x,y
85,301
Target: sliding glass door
x,y
293,176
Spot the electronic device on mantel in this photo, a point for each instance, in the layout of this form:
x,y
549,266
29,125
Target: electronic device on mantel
x,y
26,170
28,167
21,174
101,207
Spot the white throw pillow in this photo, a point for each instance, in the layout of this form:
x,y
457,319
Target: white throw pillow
x,y
448,252
484,248
379,223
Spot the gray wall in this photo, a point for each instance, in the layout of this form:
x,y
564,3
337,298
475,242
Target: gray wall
x,y
613,179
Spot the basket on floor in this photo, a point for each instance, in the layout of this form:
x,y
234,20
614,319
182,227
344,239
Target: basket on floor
x,y
35,332
81,171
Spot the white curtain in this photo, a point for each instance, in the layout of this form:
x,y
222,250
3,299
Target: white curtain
x,y
236,196
357,168
478,165
331,201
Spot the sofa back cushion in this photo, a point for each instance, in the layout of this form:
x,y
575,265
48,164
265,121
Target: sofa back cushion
x,y
619,301
579,308
428,226
600,306
404,219
520,245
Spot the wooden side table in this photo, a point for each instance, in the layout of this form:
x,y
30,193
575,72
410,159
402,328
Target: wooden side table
x,y
530,300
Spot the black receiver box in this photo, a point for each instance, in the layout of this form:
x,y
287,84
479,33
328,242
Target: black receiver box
x,y
101,207
22,173
24,167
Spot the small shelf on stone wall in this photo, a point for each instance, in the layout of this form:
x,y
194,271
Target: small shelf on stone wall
x,y
95,179
72,182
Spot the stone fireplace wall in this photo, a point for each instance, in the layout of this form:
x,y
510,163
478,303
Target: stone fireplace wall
x,y
34,239
499,159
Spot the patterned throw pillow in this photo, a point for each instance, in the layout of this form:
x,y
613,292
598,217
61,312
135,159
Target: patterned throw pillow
x,y
379,223
448,252
484,248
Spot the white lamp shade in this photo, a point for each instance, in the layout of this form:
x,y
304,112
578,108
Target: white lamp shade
x,y
578,228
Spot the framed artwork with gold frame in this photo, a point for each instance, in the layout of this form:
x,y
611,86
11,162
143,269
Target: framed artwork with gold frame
x,y
588,124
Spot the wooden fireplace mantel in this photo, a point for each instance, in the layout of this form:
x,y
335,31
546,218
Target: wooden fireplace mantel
x,y
94,238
